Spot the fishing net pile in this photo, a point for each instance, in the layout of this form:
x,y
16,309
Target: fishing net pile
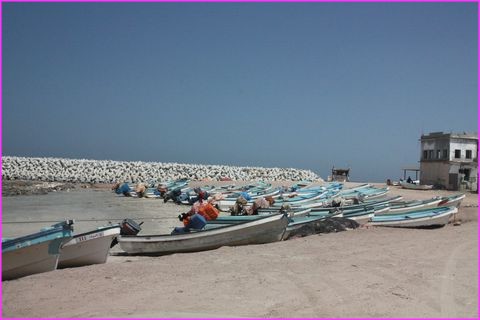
x,y
327,225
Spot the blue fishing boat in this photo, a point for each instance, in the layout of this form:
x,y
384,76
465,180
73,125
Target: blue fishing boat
x,y
225,220
34,253
439,216
452,201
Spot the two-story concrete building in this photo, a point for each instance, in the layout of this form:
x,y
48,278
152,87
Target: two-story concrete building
x,y
449,160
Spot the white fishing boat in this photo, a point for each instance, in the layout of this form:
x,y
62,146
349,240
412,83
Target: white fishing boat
x,y
415,186
369,192
88,248
263,230
360,215
439,216
361,219
408,206
301,199
451,201
227,220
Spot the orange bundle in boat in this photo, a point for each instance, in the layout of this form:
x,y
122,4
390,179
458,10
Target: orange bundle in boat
x,y
208,211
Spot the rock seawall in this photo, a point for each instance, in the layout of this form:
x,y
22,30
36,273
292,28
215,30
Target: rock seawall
x,y
108,171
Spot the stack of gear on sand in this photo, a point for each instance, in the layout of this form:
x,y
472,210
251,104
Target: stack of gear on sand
x,y
240,207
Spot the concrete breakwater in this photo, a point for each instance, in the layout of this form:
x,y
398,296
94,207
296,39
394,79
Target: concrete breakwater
x,y
108,171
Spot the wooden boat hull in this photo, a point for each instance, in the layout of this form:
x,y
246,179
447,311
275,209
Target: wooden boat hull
x,y
263,230
88,248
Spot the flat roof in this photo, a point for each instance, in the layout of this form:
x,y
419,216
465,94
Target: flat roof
x,y
437,135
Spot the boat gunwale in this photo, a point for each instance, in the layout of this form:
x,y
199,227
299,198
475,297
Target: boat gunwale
x,y
72,241
62,231
100,229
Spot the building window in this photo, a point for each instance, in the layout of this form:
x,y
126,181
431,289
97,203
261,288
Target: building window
x,y
439,153
445,154
425,154
465,173
457,154
468,154
430,154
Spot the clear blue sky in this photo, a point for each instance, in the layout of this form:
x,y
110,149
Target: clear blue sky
x,y
303,85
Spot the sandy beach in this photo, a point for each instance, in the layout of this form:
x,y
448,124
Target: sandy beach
x,y
367,272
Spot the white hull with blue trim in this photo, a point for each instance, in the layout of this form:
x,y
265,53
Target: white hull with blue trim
x,y
424,218
35,253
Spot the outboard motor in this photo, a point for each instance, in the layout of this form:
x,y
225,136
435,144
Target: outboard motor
x,y
128,227
174,195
